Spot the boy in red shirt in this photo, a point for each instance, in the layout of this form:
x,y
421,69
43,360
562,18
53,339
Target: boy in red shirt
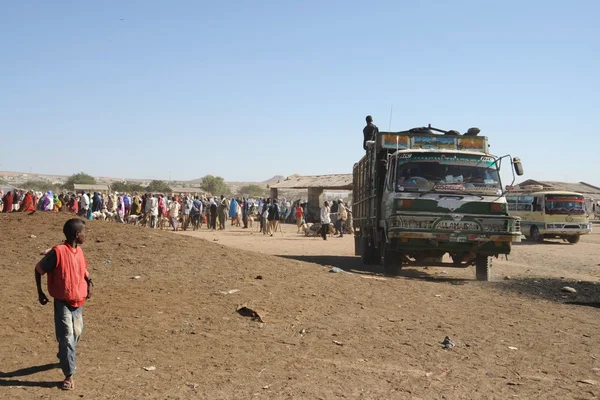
x,y
70,285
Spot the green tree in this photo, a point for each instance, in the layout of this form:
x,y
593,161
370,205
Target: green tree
x,y
79,179
158,187
253,191
39,185
127,187
215,185
2,182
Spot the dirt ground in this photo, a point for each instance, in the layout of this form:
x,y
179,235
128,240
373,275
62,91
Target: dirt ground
x,y
324,335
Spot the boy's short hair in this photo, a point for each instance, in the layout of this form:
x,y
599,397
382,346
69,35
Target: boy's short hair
x,y
72,227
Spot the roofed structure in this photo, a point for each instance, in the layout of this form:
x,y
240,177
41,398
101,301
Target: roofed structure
x,y
192,190
331,182
579,187
91,188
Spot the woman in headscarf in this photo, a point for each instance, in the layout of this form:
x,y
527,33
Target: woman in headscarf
x,y
233,210
162,207
47,201
27,204
135,205
57,203
7,201
97,202
121,209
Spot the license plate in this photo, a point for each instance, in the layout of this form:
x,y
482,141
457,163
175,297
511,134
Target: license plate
x,y
458,239
458,226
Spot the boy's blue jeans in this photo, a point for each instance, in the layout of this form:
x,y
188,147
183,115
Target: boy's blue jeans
x,y
68,324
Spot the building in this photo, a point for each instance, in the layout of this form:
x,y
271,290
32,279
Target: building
x,y
92,188
316,186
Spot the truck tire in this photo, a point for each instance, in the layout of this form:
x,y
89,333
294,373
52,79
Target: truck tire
x,y
483,265
366,251
392,261
535,235
573,239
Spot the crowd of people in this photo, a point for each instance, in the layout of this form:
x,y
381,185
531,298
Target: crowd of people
x,y
178,211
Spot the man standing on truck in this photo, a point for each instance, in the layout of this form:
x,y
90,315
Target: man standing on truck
x,y
369,132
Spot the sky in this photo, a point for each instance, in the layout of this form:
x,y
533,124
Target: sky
x,y
250,89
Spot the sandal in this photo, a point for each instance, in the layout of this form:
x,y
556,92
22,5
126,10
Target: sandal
x,y
68,384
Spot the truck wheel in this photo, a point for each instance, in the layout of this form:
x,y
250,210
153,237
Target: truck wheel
x,y
365,250
535,235
574,239
392,261
483,264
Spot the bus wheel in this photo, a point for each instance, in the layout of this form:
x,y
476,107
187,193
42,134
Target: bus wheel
x,y
535,235
483,264
392,261
574,239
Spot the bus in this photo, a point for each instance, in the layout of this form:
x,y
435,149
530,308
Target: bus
x,y
549,214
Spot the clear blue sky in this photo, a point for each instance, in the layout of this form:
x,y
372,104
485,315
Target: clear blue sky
x,y
250,89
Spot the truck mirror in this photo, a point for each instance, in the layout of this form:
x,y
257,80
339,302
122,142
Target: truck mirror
x,y
518,166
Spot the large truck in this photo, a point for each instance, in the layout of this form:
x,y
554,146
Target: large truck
x,y
424,193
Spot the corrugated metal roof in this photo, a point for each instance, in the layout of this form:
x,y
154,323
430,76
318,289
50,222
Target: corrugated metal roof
x,y
97,188
579,187
336,181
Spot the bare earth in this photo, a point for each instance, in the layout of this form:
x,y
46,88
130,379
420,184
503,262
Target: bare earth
x,y
325,335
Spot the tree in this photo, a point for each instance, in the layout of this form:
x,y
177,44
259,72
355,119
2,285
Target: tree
x,y
215,185
79,179
39,185
158,187
253,191
127,187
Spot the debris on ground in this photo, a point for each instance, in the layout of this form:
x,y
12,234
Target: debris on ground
x,y
588,382
568,289
338,343
513,348
107,262
338,270
136,277
32,236
447,343
232,291
259,277
244,311
152,368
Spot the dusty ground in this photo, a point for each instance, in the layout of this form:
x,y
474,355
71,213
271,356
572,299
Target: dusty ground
x,y
325,335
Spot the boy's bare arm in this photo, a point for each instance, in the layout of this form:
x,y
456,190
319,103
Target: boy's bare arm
x,y
38,283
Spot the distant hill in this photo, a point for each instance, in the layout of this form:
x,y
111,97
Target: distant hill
x,y
274,179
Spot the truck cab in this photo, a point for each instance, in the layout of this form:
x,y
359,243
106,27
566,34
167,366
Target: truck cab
x,y
420,195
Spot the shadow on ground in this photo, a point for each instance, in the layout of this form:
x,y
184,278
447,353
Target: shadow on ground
x,y
354,264
25,372
588,293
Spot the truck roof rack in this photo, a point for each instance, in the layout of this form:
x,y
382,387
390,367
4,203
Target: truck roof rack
x,y
427,138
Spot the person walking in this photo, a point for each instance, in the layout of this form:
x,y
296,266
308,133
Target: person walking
x,y
214,210
342,215
70,285
325,220
186,208
174,213
299,216
245,211
222,210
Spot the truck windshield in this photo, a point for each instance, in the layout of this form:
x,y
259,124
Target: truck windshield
x,y
564,204
438,172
